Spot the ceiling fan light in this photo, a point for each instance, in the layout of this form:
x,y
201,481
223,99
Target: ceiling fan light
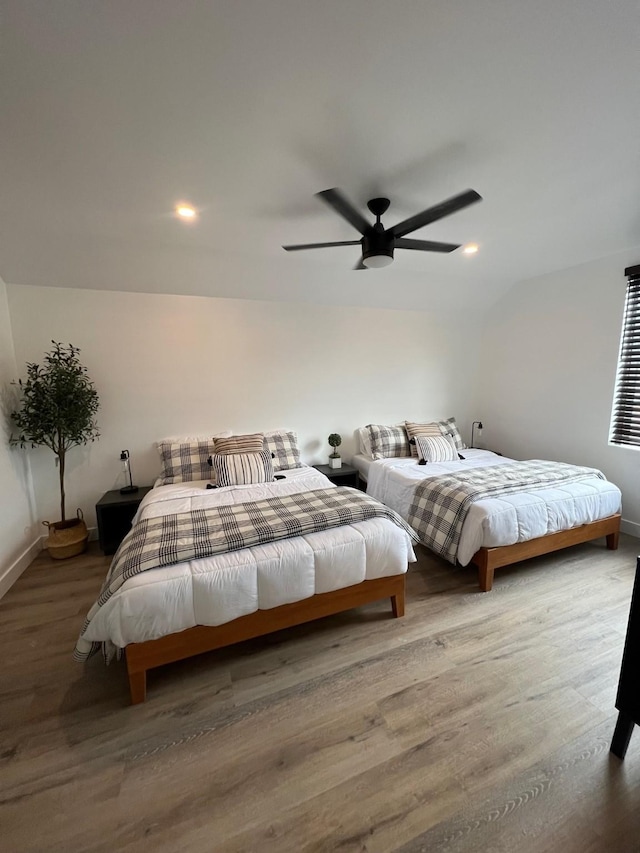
x,y
374,262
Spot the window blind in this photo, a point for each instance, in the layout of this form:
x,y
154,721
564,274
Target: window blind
x,y
625,418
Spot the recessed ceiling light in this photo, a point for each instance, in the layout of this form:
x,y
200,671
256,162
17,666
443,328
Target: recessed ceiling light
x,y
185,211
470,249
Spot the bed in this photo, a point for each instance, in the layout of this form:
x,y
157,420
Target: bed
x,y
170,613
506,529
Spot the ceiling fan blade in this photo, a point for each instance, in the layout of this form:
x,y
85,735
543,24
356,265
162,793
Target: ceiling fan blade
x,y
425,245
320,245
360,266
438,211
343,206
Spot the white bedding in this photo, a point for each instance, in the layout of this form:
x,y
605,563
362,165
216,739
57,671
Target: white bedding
x,y
362,463
214,590
497,521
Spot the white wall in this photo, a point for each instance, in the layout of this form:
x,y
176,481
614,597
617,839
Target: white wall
x,y
548,372
175,365
17,512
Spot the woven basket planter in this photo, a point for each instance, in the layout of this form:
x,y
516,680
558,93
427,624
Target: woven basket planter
x,y
66,538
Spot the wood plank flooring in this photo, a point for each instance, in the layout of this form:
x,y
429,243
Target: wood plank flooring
x,y
478,722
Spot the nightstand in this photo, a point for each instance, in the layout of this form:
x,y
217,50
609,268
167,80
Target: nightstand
x,y
114,513
344,476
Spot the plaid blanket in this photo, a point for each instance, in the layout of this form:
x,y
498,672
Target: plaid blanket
x,y
440,504
170,539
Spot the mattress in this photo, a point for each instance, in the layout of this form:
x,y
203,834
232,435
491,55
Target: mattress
x,y
362,463
494,522
215,590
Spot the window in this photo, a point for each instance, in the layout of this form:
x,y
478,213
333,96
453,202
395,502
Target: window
x,y
625,418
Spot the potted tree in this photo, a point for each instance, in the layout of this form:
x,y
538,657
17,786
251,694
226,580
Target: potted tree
x,y
334,458
57,410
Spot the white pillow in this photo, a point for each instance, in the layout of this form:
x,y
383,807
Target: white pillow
x,y
364,441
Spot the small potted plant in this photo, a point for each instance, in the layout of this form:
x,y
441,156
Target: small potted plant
x,y
335,441
57,407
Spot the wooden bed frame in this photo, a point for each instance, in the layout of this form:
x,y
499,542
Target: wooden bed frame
x,y
194,641
489,559
203,638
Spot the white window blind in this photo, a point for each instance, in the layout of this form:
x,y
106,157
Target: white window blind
x,y
625,418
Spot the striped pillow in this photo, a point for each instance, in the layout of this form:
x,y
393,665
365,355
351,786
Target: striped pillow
x,y
243,469
436,448
248,443
388,441
414,429
283,447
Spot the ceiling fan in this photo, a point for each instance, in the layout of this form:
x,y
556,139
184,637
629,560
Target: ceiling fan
x,y
378,243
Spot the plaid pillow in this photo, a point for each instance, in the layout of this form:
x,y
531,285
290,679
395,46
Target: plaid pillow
x,y
249,443
283,446
388,441
449,427
436,448
185,461
242,469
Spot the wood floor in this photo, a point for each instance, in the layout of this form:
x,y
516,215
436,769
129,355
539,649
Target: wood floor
x,y
479,722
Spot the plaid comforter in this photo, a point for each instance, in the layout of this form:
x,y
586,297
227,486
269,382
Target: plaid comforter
x,y
170,539
440,504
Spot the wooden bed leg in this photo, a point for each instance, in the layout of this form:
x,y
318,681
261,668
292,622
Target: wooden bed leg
x,y
138,686
612,541
397,604
485,571
485,578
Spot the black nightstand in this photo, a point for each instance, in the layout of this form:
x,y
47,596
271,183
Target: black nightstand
x,y
343,476
114,513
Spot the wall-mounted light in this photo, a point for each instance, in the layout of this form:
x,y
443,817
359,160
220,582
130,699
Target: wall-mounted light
x,y
474,425
128,488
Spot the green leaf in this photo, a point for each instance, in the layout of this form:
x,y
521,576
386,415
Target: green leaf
x,y
58,404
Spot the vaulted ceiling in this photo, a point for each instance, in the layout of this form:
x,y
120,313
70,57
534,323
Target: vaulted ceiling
x,y
114,111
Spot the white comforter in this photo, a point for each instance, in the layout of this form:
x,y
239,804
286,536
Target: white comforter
x,y
214,590
497,521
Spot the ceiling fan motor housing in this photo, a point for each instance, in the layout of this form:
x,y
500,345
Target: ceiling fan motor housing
x,y
377,241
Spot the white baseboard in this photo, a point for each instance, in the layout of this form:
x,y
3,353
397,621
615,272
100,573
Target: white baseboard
x,y
630,527
11,575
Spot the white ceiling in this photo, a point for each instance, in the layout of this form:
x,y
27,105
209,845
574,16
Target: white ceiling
x,y
113,111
